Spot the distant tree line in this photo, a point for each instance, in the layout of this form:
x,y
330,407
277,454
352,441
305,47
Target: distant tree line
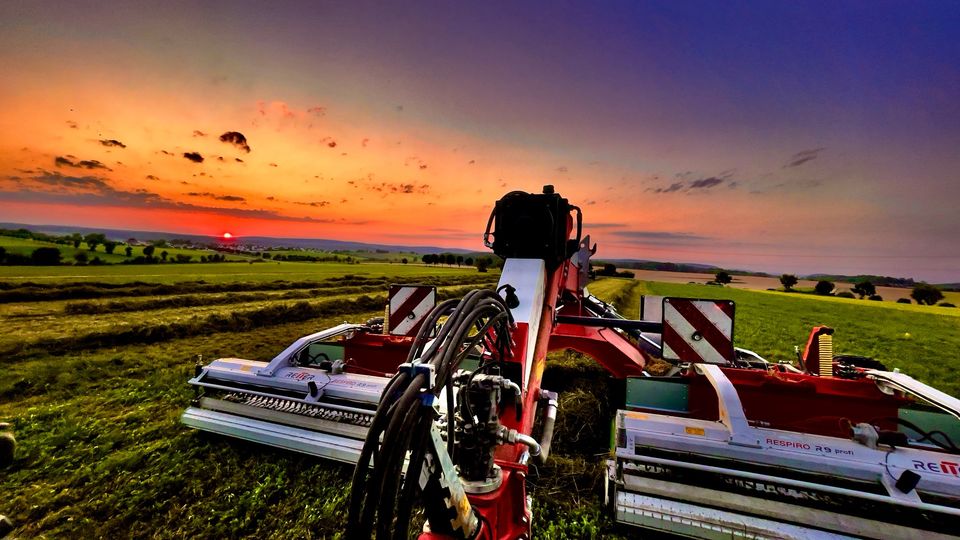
x,y
482,263
922,293
610,270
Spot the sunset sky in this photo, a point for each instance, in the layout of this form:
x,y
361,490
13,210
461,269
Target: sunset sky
x,y
780,136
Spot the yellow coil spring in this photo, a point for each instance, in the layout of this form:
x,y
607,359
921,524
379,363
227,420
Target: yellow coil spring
x,y
826,354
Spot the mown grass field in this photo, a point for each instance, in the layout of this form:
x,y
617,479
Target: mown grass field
x,y
94,392
25,246
220,272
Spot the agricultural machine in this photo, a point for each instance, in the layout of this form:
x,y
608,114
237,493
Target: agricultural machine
x,y
440,408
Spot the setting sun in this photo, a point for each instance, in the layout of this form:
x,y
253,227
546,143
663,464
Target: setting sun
x,y
227,236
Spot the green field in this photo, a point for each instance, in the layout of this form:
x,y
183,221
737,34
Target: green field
x,y
220,272
921,340
25,246
94,392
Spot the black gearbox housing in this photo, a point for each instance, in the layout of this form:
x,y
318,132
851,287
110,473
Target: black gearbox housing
x,y
534,226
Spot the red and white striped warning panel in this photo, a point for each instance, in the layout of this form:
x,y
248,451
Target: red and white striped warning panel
x,y
698,330
408,305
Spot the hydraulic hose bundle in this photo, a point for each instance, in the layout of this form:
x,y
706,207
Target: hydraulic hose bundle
x,y
405,420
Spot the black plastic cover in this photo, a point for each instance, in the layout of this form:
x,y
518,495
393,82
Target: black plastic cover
x,y
532,226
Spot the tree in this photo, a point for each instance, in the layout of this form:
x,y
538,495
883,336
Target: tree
x,y
404,260
864,288
723,278
164,254
926,294
482,265
76,238
450,258
468,261
45,256
459,260
80,257
94,239
148,250
109,246
824,287
609,269
3,253
788,281
128,250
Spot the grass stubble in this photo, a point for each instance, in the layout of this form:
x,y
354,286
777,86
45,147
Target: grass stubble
x,y
101,453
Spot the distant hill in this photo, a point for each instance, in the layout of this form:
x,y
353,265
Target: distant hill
x,y
879,281
261,241
324,244
695,268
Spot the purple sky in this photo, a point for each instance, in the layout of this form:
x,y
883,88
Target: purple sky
x,y
787,137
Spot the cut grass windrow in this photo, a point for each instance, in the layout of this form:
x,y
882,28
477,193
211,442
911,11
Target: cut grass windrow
x,y
194,300
36,292
239,321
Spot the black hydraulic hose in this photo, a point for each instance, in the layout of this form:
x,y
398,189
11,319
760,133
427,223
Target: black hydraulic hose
x,y
361,515
392,469
469,313
947,444
451,431
416,349
549,419
411,396
411,481
452,353
371,445
403,424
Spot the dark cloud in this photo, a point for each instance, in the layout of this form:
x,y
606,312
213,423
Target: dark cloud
x,y
207,194
686,185
318,111
198,133
661,237
471,162
152,177
802,157
238,160
562,169
789,186
92,191
423,166
364,142
315,204
91,164
72,125
272,164
603,225
332,144
386,187
112,142
676,186
237,139
164,152
193,156
705,183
